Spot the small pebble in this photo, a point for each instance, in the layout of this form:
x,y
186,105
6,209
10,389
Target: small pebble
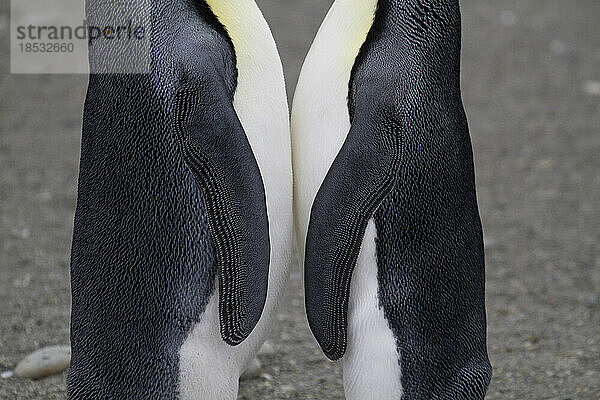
x,y
45,196
6,374
287,388
22,282
558,47
592,88
508,18
22,233
593,302
252,371
266,377
267,349
44,362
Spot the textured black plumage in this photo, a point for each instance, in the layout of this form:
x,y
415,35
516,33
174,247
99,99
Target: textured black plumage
x,y
407,162
169,198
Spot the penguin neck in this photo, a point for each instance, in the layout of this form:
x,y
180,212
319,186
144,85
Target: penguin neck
x,y
349,22
259,68
260,99
244,24
320,114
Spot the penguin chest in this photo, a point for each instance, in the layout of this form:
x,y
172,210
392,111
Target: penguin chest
x,y
260,102
320,116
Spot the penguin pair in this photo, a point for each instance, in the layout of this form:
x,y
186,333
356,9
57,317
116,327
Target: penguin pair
x,y
184,224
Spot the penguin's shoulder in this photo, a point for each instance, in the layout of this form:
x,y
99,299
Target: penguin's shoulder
x,y
189,42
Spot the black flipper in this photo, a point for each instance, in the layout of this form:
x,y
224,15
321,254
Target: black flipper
x,y
361,176
217,151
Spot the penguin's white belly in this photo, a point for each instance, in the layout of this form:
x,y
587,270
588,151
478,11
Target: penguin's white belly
x,y
209,368
371,363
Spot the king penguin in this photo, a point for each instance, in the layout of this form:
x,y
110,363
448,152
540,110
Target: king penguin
x,y
386,213
183,231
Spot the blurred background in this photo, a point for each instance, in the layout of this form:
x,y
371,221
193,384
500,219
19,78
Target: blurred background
x,y
531,87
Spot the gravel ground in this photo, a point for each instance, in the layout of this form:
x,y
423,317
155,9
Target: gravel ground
x,y
531,77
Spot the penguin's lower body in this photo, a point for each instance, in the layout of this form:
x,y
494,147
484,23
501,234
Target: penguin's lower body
x,y
208,367
371,364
